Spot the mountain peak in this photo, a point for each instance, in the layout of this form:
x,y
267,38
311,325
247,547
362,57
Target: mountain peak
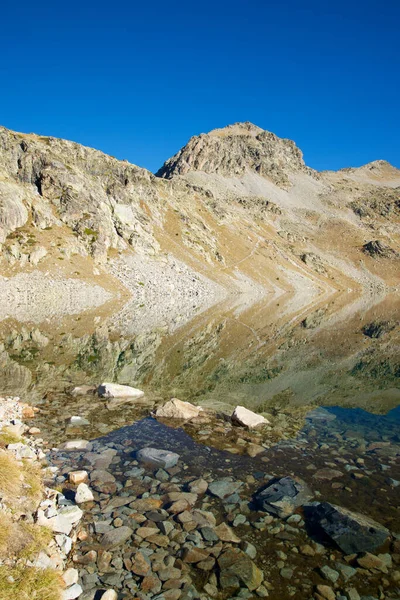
x,y
234,150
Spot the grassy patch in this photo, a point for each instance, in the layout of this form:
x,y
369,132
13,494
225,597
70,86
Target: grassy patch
x,y
10,476
28,583
6,437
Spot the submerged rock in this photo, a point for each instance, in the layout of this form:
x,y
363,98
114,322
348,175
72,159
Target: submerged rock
x,y
281,497
177,409
247,418
351,531
223,489
115,390
159,458
236,568
116,537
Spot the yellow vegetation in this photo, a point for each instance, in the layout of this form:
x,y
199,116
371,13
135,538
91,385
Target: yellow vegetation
x,y
10,476
28,583
7,437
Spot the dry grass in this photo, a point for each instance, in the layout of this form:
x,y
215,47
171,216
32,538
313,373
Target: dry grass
x,y
10,476
7,437
28,583
32,476
6,534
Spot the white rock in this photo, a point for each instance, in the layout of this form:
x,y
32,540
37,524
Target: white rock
x,y
70,577
72,592
21,451
42,561
78,421
65,544
77,445
109,595
58,524
114,390
73,513
83,494
77,477
177,409
248,418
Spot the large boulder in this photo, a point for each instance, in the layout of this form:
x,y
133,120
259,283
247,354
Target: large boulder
x,y
247,418
115,390
281,497
351,531
158,458
177,409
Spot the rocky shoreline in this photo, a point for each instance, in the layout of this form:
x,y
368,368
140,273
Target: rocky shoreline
x,y
144,513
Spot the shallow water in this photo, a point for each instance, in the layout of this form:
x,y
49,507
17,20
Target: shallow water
x,y
286,364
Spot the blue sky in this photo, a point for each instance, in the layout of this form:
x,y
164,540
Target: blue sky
x,y
137,80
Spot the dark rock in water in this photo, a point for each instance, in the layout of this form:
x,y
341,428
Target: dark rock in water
x,y
282,496
376,248
377,329
350,531
159,458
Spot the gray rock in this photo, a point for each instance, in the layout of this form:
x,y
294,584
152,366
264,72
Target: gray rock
x,y
116,537
281,497
223,489
158,458
352,532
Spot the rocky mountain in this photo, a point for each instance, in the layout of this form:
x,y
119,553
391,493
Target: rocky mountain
x,y
234,249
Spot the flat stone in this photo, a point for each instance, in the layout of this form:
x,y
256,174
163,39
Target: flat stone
x,y
225,534
327,474
115,390
159,458
281,497
116,537
247,418
75,445
352,532
223,489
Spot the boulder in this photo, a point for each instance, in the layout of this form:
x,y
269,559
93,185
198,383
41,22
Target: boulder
x,y
281,497
115,390
177,409
247,418
351,531
83,494
159,458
